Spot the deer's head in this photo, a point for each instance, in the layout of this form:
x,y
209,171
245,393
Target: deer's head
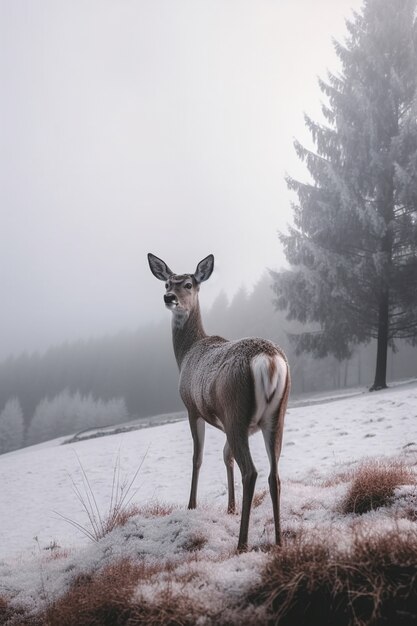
x,y
181,290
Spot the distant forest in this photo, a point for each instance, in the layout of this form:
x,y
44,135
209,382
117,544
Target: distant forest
x,y
136,373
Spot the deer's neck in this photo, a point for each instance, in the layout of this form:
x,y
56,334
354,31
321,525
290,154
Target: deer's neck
x,y
185,332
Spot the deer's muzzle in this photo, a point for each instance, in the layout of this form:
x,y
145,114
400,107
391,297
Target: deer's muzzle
x,y
170,299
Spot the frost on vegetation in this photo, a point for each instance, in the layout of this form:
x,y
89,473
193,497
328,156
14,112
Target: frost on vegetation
x,y
192,555
120,508
374,485
11,426
67,413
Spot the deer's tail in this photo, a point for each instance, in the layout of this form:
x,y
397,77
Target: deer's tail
x,y
271,381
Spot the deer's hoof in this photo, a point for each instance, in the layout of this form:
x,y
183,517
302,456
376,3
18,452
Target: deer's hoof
x,y
242,547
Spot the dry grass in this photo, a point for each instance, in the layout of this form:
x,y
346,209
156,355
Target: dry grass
x,y
102,598
259,497
195,542
309,580
305,582
374,583
114,597
120,509
156,509
410,512
11,616
373,486
57,554
4,610
110,598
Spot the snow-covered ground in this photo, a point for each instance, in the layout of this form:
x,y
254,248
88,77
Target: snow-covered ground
x,y
36,481
319,440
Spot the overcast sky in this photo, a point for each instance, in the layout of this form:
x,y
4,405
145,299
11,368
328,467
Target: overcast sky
x,y
130,126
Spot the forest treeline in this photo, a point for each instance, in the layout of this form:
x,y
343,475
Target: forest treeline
x,y
348,298
134,374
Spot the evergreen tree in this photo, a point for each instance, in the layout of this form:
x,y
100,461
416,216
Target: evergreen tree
x,y
215,319
353,248
67,413
236,320
11,426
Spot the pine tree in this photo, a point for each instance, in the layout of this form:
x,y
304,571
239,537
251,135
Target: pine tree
x,y
353,247
11,426
215,320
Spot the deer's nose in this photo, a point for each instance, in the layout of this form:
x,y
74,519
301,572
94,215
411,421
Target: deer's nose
x,y
169,298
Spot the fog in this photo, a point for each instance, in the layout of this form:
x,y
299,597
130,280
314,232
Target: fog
x,y
130,126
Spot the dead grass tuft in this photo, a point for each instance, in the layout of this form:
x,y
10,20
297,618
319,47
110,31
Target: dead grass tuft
x,y
259,497
121,517
58,554
4,610
168,610
15,616
373,583
110,598
103,598
120,509
373,486
156,510
195,542
410,513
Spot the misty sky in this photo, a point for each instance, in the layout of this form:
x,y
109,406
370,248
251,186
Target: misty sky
x,y
130,126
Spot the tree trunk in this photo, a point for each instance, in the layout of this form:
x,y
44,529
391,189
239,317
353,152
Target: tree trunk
x,y
385,199
380,381
392,365
345,377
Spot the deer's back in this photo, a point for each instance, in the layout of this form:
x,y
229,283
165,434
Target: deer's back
x,y
217,374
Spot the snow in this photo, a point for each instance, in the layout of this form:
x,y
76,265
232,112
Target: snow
x,y
321,440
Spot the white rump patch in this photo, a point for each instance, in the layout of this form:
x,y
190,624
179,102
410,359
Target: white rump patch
x,y
269,373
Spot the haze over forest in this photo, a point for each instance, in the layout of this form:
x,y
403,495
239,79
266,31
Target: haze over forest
x,y
157,126
170,127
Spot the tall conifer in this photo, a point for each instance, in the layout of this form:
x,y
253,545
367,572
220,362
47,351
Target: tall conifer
x,y
353,246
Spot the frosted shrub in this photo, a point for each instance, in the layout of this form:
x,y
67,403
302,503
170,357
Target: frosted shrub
x,y
68,413
374,485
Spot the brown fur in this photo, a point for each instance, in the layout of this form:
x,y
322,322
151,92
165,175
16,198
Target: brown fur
x,y
218,386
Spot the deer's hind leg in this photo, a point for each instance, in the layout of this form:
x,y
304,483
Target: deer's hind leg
x,y
239,444
273,439
229,462
197,426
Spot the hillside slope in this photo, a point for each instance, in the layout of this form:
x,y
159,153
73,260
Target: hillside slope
x,y
42,556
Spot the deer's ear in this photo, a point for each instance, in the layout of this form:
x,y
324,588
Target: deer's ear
x,y
158,267
204,269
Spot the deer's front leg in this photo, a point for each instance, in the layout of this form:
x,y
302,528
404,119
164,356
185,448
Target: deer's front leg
x,y
197,426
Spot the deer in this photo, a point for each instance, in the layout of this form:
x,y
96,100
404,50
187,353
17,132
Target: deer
x,y
238,386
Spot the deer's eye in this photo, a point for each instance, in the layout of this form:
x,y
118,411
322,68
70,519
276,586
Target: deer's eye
x,y
166,285
188,286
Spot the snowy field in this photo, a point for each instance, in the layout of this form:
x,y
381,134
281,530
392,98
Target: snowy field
x,y
321,440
